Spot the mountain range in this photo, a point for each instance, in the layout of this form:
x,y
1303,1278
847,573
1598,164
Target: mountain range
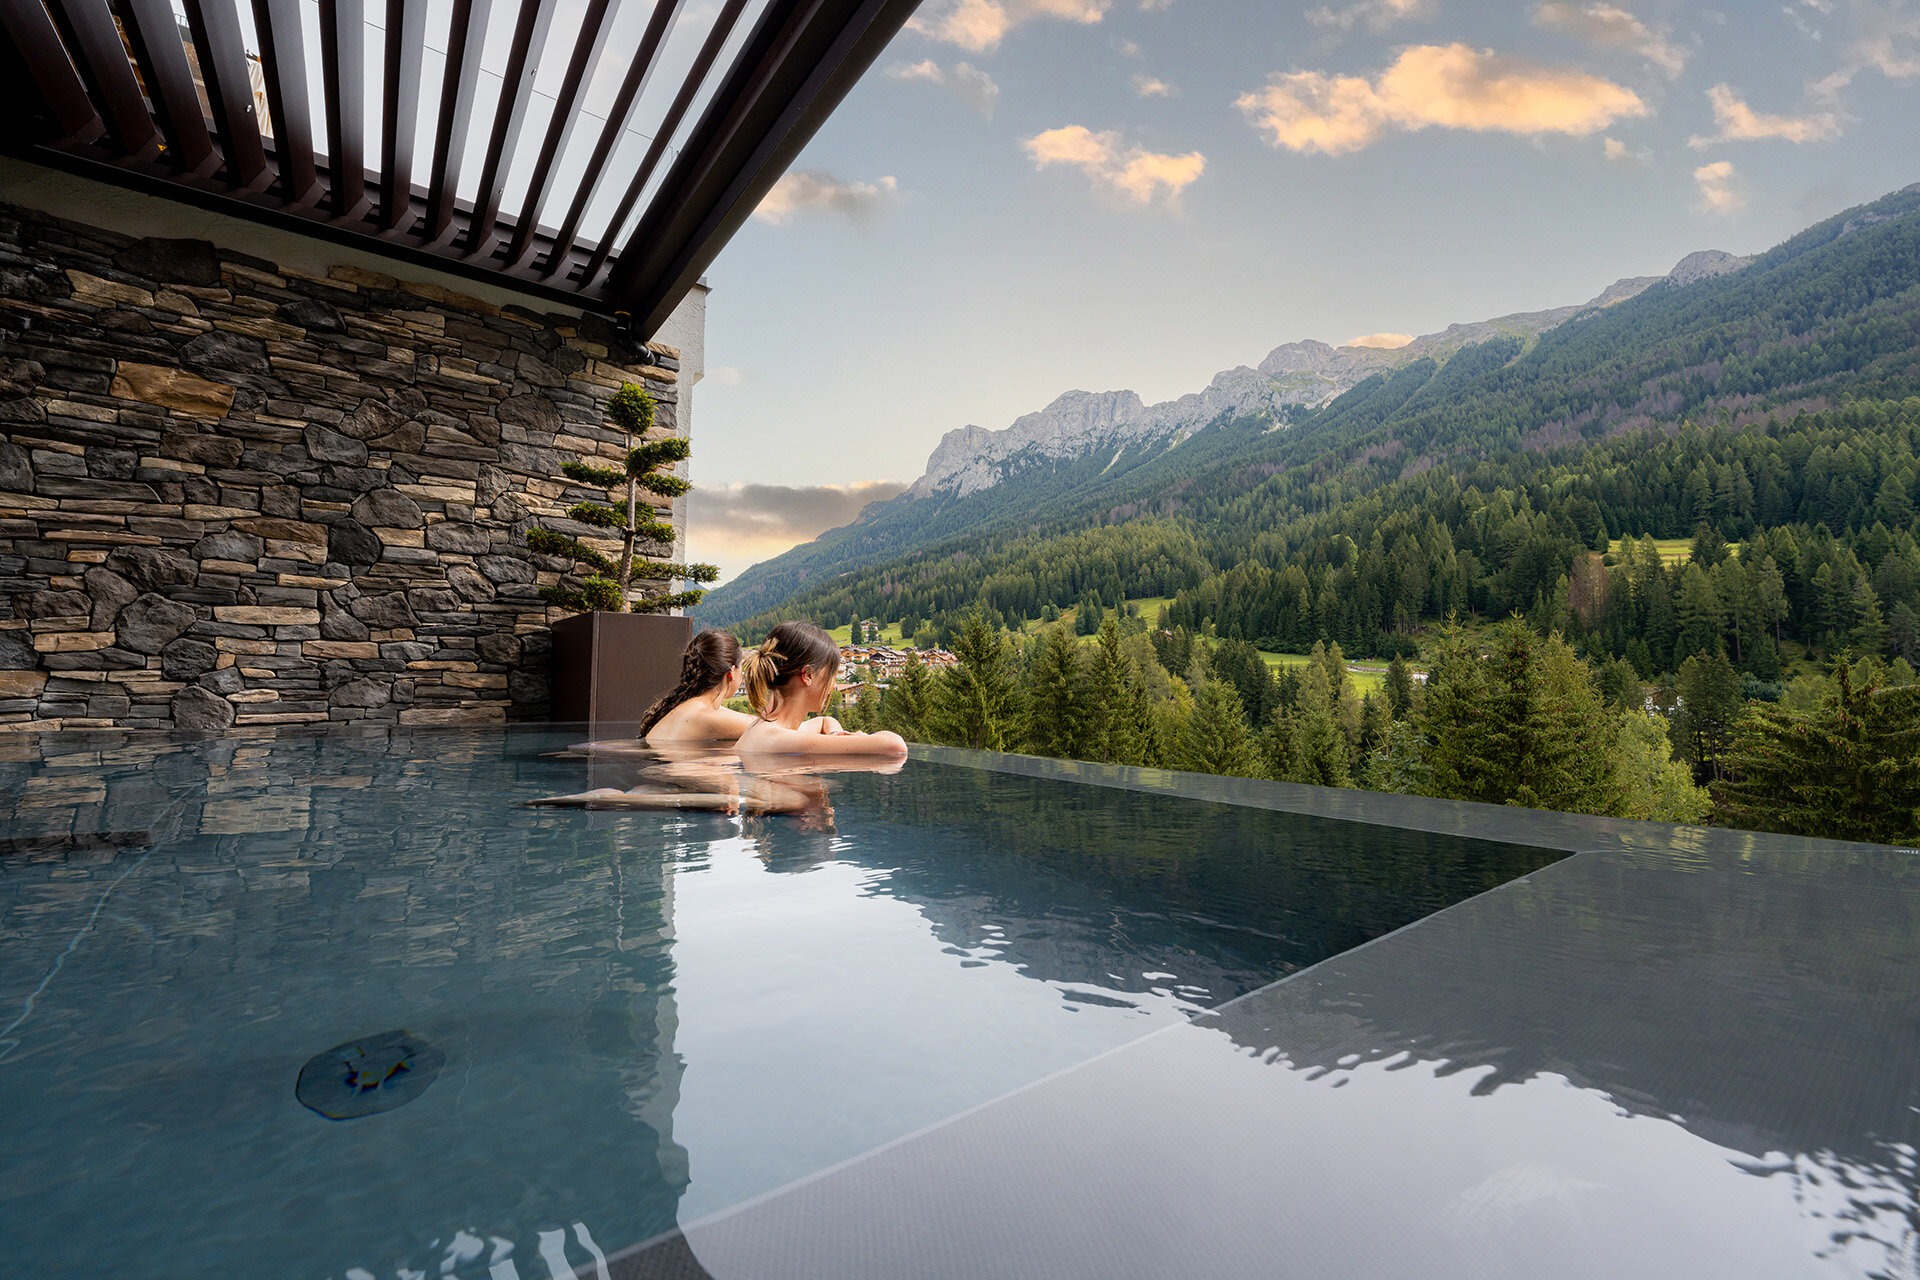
x,y
1828,318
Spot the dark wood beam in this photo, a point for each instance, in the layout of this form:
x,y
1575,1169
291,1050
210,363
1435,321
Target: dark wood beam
x,y
663,137
283,64
639,71
93,38
400,115
343,71
467,36
516,92
154,34
596,24
38,42
800,62
215,25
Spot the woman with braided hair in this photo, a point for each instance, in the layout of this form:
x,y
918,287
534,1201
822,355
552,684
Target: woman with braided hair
x,y
790,678
694,711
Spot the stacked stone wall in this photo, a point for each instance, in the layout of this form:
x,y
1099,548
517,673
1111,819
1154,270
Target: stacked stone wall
x,y
238,493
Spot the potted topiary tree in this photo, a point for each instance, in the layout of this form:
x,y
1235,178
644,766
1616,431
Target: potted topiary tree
x,y
620,651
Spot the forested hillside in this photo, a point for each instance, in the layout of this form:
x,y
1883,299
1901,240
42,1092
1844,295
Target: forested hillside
x,y
1775,410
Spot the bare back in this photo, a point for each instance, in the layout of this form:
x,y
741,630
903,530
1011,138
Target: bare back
x,y
696,721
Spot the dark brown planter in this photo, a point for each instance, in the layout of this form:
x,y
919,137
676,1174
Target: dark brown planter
x,y
610,667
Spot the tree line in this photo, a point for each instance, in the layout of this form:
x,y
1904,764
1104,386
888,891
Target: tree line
x,y
1505,716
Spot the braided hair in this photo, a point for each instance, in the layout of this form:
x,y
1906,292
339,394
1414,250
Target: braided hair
x,y
709,656
789,649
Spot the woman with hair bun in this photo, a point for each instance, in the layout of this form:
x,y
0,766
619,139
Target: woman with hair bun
x,y
694,710
789,678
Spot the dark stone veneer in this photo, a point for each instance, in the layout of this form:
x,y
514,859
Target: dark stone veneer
x,y
236,493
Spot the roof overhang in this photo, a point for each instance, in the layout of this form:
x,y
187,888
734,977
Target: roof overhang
x,y
126,92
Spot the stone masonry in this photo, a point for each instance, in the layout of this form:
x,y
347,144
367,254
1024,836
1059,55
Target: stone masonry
x,y
235,493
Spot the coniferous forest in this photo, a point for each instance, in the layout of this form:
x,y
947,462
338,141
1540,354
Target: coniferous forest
x,y
1664,562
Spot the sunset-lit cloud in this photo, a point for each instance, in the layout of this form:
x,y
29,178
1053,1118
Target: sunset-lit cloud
x,y
737,525
1381,341
1606,26
1151,87
1741,123
1132,173
817,191
1718,190
1620,153
980,25
1448,86
1374,15
965,81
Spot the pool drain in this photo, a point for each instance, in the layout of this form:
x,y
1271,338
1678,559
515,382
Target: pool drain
x,y
368,1075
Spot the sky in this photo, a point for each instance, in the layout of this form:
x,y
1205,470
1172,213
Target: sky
x,y
1025,197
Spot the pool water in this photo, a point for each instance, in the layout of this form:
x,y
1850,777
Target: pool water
x,y
644,1015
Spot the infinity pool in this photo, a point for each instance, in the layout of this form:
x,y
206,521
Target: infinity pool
x,y
640,1017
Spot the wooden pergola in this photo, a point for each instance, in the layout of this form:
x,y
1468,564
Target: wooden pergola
x,y
163,100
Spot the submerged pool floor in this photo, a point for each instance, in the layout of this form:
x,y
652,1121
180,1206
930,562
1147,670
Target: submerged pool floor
x,y
617,1021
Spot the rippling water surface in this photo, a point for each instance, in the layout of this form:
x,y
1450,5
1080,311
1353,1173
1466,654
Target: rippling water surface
x,y
646,1014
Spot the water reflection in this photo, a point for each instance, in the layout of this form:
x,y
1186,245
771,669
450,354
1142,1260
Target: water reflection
x,y
955,935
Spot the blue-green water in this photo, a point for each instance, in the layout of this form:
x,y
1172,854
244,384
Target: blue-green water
x,y
646,1016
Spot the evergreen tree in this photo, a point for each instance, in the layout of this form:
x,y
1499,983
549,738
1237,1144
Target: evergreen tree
x,y
1399,688
1057,698
904,706
1118,718
1523,725
1214,738
1317,753
1711,704
853,632
977,702
1849,770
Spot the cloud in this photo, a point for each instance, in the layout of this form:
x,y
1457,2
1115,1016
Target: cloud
x,y
1606,27
817,191
737,525
1128,49
1889,42
1620,153
1717,191
979,25
725,375
1382,341
968,83
1374,15
1451,86
1133,173
1145,86
1741,123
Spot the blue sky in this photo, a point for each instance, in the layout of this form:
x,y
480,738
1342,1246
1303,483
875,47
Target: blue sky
x,y
1030,196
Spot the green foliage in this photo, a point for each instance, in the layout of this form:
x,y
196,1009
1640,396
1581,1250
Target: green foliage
x,y
1652,783
1214,738
905,706
1712,703
976,703
610,586
1848,770
1522,724
1057,697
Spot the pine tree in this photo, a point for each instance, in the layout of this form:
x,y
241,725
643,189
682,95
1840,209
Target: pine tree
x,y
1652,783
853,631
1116,724
1711,704
1057,710
1318,753
903,708
1399,688
1214,738
1524,725
977,702
1849,770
